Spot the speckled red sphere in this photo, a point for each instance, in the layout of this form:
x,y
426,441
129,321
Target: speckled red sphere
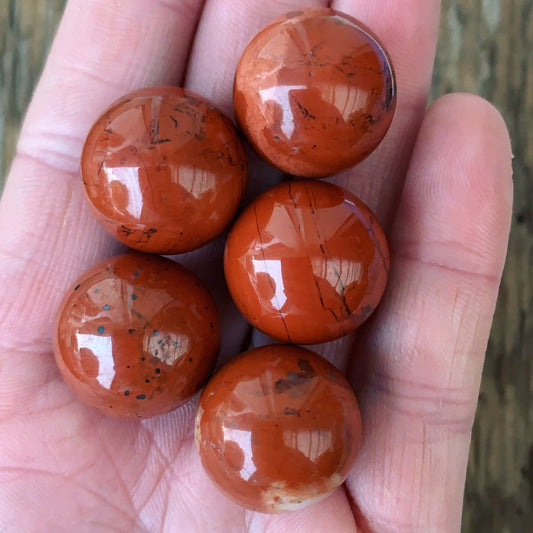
x,y
278,428
136,336
306,262
164,171
315,92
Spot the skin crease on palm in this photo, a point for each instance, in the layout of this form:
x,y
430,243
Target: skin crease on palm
x,y
441,185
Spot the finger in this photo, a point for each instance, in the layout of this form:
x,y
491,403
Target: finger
x,y
422,357
102,50
234,24
47,236
409,31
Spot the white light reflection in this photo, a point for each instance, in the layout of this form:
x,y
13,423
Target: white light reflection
x,y
338,272
102,349
243,439
347,99
282,93
129,178
195,181
272,268
311,443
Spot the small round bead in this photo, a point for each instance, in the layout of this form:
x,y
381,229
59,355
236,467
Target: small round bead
x,y
164,171
278,428
314,92
306,262
136,336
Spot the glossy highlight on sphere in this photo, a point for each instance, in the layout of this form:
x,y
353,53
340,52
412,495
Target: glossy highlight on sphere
x,y
278,427
164,171
306,262
137,335
315,92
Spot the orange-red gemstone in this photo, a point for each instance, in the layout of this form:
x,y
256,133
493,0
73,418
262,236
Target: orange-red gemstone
x,y
306,262
315,92
278,428
164,170
137,335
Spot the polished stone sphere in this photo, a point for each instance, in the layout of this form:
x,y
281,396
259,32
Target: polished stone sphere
x,y
278,428
136,336
306,262
315,92
164,171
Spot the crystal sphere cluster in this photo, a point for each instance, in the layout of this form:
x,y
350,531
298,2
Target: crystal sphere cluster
x,y
306,262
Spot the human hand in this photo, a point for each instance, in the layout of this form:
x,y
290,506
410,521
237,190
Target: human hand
x,y
439,183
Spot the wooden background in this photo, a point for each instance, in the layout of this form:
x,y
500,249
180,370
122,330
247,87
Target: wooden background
x,y
486,47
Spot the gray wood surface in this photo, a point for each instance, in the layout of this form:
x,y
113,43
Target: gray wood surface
x,y
486,47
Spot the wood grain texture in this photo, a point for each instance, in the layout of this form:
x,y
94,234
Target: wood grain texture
x,y
27,28
485,47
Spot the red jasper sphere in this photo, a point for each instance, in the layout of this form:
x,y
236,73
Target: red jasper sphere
x,y
306,262
278,428
137,335
164,171
314,92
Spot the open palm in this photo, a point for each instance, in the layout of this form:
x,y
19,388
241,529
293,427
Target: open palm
x,y
439,183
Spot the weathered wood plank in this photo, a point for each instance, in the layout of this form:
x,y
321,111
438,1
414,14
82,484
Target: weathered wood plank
x,y
486,47
26,31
